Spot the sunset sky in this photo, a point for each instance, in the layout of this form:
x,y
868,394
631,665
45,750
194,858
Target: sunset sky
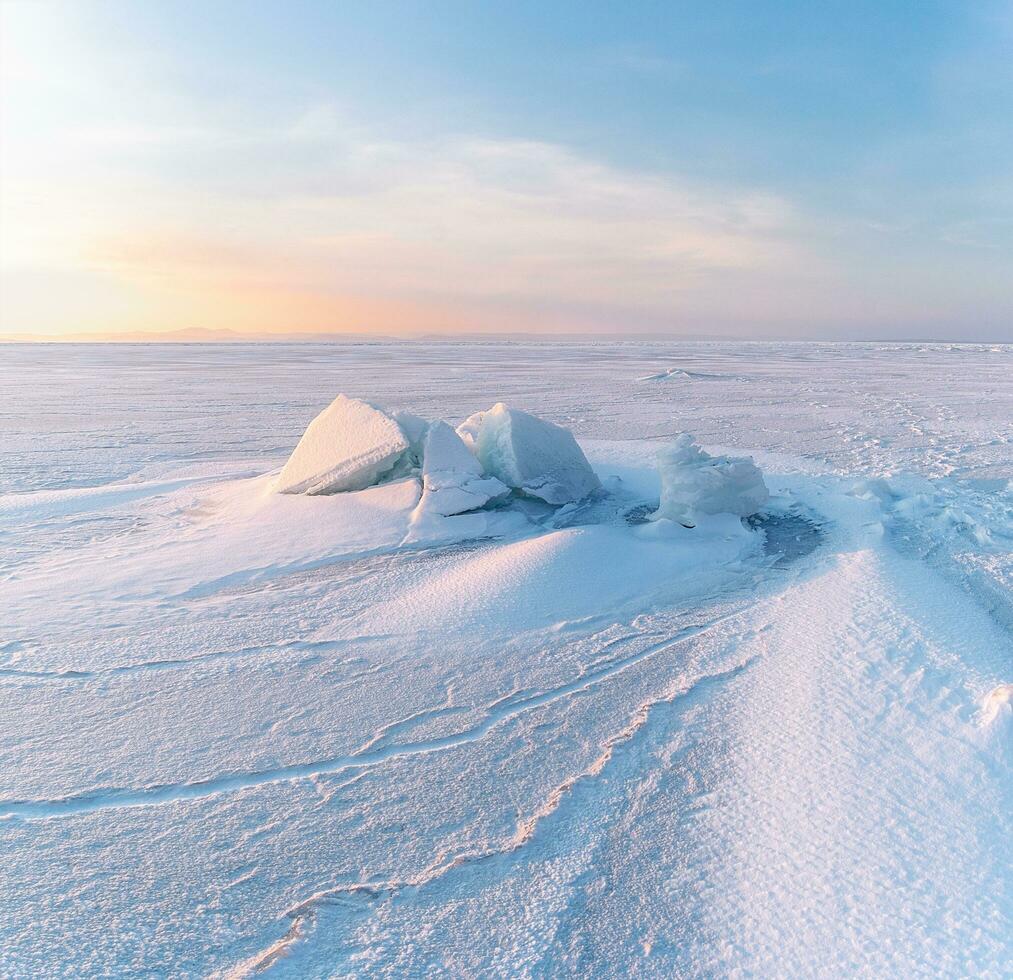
x,y
838,170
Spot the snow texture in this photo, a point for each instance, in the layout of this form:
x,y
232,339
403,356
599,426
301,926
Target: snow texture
x,y
529,454
348,446
452,478
693,483
245,733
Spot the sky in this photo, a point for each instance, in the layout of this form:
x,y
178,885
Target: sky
x,y
832,170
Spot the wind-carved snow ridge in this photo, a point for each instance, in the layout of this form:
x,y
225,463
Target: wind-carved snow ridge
x,y
357,897
499,712
952,524
71,675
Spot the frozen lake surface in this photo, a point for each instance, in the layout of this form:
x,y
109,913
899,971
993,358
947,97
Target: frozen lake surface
x,y
246,733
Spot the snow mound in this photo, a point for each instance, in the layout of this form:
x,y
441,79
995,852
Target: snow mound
x,y
667,375
534,456
348,446
694,482
452,478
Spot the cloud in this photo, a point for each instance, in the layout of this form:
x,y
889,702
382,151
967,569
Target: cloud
x,y
320,224
463,219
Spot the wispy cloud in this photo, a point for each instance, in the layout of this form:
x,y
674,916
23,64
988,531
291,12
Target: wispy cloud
x,y
462,219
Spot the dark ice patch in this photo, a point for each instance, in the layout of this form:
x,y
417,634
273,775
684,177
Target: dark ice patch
x,y
787,535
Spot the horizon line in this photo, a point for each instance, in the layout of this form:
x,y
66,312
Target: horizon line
x,y
207,336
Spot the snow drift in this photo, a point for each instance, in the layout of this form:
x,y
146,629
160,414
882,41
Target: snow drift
x,y
350,445
529,454
693,482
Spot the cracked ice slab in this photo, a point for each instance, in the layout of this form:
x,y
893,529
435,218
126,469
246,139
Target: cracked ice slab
x,y
348,446
534,456
452,478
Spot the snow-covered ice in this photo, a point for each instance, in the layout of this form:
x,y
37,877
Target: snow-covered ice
x,y
348,446
314,735
530,454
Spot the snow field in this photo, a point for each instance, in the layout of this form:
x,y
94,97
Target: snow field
x,y
312,735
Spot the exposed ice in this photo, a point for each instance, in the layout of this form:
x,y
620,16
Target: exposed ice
x,y
788,536
352,445
693,482
534,456
348,446
470,428
452,478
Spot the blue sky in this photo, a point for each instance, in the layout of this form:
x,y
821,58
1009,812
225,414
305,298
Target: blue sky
x,y
729,169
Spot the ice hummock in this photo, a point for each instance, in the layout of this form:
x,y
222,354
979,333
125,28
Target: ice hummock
x,y
350,445
452,478
529,454
694,482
